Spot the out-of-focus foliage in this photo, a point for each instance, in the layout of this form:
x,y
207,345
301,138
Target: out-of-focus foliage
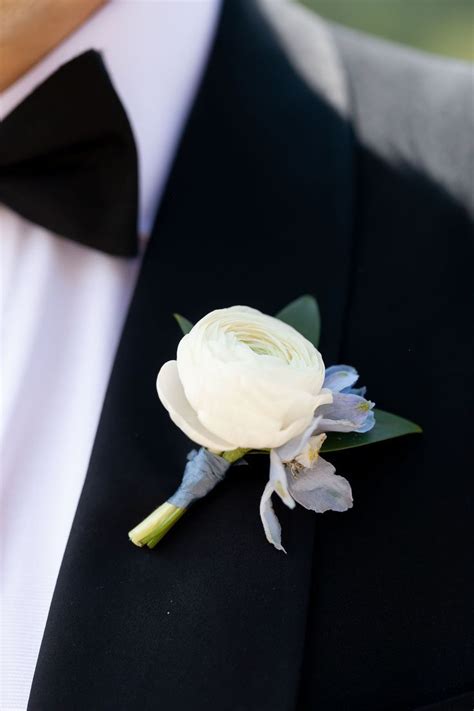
x,y
439,26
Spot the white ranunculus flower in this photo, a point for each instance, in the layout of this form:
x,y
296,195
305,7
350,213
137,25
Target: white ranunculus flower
x,y
243,379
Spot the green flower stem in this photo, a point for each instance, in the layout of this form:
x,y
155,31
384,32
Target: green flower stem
x,y
156,525
234,455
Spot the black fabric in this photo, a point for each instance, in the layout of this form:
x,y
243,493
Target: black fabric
x,y
273,195
465,702
68,159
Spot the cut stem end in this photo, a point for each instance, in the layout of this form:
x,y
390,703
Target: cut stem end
x,y
152,529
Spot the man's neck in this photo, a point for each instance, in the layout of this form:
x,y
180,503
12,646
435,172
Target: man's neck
x,y
29,29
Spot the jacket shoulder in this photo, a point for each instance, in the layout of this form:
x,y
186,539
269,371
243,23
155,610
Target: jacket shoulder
x,y
413,109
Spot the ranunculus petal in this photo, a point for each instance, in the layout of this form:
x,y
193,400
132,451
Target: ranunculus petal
x,y
271,524
339,377
279,479
320,490
171,394
251,378
347,413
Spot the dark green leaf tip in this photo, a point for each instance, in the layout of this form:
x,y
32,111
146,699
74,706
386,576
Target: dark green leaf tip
x,y
304,315
183,323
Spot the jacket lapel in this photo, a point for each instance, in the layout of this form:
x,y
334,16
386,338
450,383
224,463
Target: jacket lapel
x,y
257,211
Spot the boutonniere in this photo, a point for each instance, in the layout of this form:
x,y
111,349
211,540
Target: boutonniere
x,y
244,383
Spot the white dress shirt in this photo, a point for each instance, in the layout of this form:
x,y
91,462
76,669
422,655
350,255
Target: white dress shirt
x,y
63,307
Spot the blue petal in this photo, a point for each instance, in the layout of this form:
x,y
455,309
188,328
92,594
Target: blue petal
x,y
355,391
320,489
339,377
347,413
271,524
369,422
279,479
295,446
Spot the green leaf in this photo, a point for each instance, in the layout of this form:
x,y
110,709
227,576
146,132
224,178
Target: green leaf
x,y
387,426
303,314
183,323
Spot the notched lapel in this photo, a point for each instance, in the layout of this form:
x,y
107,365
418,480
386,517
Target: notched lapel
x,y
258,199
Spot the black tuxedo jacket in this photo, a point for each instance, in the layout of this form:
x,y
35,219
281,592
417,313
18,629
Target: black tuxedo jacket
x,y
314,160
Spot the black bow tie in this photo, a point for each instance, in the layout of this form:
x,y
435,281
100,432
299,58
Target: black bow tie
x,y
68,159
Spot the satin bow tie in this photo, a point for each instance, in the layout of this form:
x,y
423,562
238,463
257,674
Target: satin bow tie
x,y
68,159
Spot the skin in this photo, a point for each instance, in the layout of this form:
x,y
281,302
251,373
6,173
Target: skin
x,y
29,29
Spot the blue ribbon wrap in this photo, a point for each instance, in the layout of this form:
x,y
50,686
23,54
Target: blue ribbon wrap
x,y
202,472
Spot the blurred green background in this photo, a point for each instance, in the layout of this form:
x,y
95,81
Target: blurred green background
x,y
439,26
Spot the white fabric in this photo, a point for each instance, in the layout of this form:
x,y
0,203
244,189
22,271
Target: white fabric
x,y
62,311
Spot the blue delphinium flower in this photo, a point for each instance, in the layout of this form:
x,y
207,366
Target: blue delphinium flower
x,y
298,474
349,410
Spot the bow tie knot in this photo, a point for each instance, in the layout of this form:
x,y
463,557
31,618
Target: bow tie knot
x,y
68,159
